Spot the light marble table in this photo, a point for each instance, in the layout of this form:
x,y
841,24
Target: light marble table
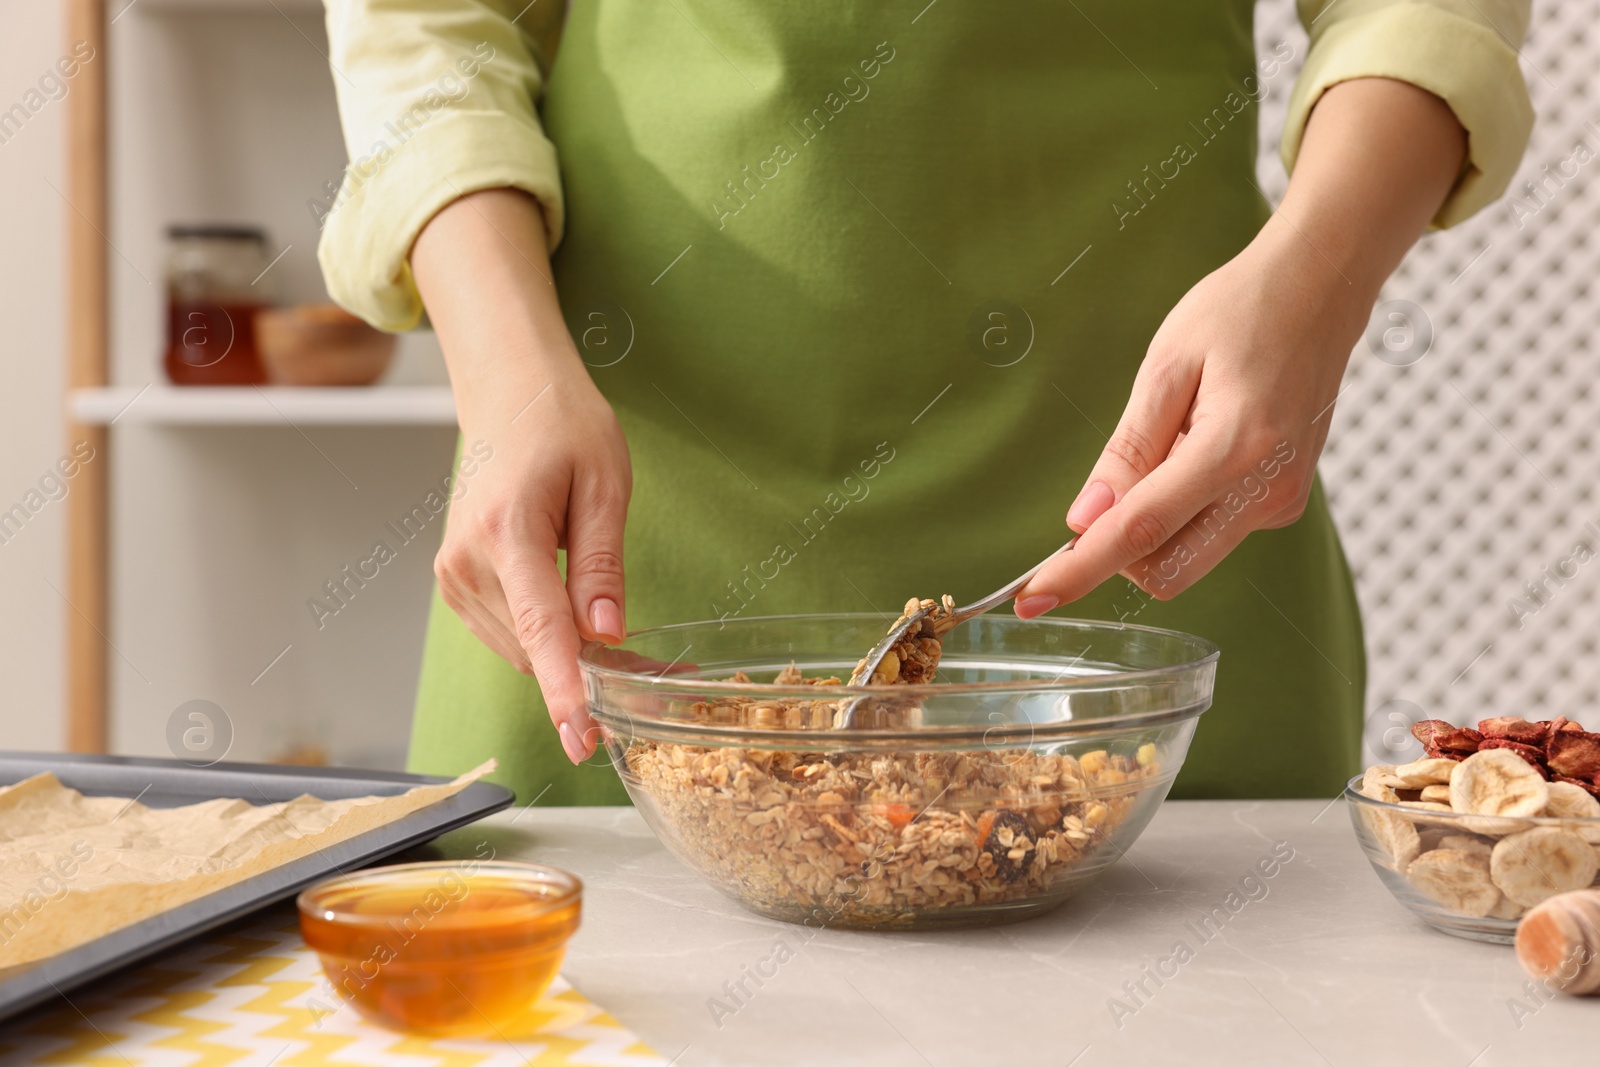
x,y
1316,965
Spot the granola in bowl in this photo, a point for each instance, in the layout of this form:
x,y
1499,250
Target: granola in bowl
x,y
885,839
987,797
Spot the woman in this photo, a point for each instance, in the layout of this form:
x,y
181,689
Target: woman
x,y
864,291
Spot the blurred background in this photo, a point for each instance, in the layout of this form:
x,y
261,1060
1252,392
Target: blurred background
x,y
1461,467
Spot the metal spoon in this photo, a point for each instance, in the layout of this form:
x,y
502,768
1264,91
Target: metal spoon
x,y
867,667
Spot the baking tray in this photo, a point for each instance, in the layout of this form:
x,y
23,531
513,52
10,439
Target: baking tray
x,y
165,783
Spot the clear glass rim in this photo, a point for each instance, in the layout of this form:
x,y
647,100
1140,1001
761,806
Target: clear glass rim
x,y
586,663
1352,792
942,735
569,886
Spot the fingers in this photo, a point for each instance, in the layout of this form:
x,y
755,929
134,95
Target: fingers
x,y
1137,526
1151,424
512,600
594,562
461,592
541,618
1199,546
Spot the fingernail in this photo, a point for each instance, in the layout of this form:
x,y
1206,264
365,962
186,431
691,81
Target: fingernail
x,y
606,619
1090,505
570,742
1029,606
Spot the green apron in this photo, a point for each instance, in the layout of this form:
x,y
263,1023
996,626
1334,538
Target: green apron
x,y
931,242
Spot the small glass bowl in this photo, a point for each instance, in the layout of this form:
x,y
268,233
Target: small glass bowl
x,y
1385,831
990,795
453,947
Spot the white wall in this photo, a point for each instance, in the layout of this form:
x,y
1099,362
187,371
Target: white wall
x,y
31,227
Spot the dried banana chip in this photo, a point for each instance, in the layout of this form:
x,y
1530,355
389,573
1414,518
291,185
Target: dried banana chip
x,y
1489,826
1457,881
1506,909
1374,783
1465,843
1434,837
1420,773
1439,794
1568,801
1395,834
1447,819
1497,781
1534,864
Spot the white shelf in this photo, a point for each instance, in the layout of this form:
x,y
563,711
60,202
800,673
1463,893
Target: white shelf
x,y
378,405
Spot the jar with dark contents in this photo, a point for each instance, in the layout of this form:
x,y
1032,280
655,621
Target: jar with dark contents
x,y
214,289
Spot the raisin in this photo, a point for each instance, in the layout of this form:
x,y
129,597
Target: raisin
x,y
1009,833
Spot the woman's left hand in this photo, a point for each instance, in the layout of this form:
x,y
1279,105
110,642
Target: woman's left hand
x,y
1229,412
1231,406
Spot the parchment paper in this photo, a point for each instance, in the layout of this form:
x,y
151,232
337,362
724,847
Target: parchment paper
x,y
74,867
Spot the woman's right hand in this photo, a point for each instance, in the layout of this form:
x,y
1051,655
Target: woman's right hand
x,y
559,477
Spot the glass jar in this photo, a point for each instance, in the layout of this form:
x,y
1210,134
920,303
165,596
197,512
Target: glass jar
x,y
214,289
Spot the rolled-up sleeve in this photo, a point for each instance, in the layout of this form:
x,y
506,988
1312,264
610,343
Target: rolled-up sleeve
x,y
437,99
1462,51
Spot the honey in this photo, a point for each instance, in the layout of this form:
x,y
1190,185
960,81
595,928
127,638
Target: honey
x,y
455,948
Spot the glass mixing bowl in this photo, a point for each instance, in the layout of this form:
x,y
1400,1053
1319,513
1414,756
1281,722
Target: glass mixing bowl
x,y
990,795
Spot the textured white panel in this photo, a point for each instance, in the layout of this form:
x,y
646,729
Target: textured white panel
x,y
1461,476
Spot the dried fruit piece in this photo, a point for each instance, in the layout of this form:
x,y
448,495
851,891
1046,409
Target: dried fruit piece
x,y
1457,881
1447,820
1395,834
1535,864
1514,728
1534,757
1419,773
1375,783
1466,843
1433,837
1497,782
1571,801
899,815
1439,738
1010,842
1588,787
1489,826
1574,753
1439,794
1506,909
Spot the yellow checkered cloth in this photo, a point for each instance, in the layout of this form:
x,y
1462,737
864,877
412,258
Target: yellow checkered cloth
x,y
254,994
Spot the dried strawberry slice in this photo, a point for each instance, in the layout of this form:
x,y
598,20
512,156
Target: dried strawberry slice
x,y
1534,756
1574,753
1440,738
1428,730
1514,728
